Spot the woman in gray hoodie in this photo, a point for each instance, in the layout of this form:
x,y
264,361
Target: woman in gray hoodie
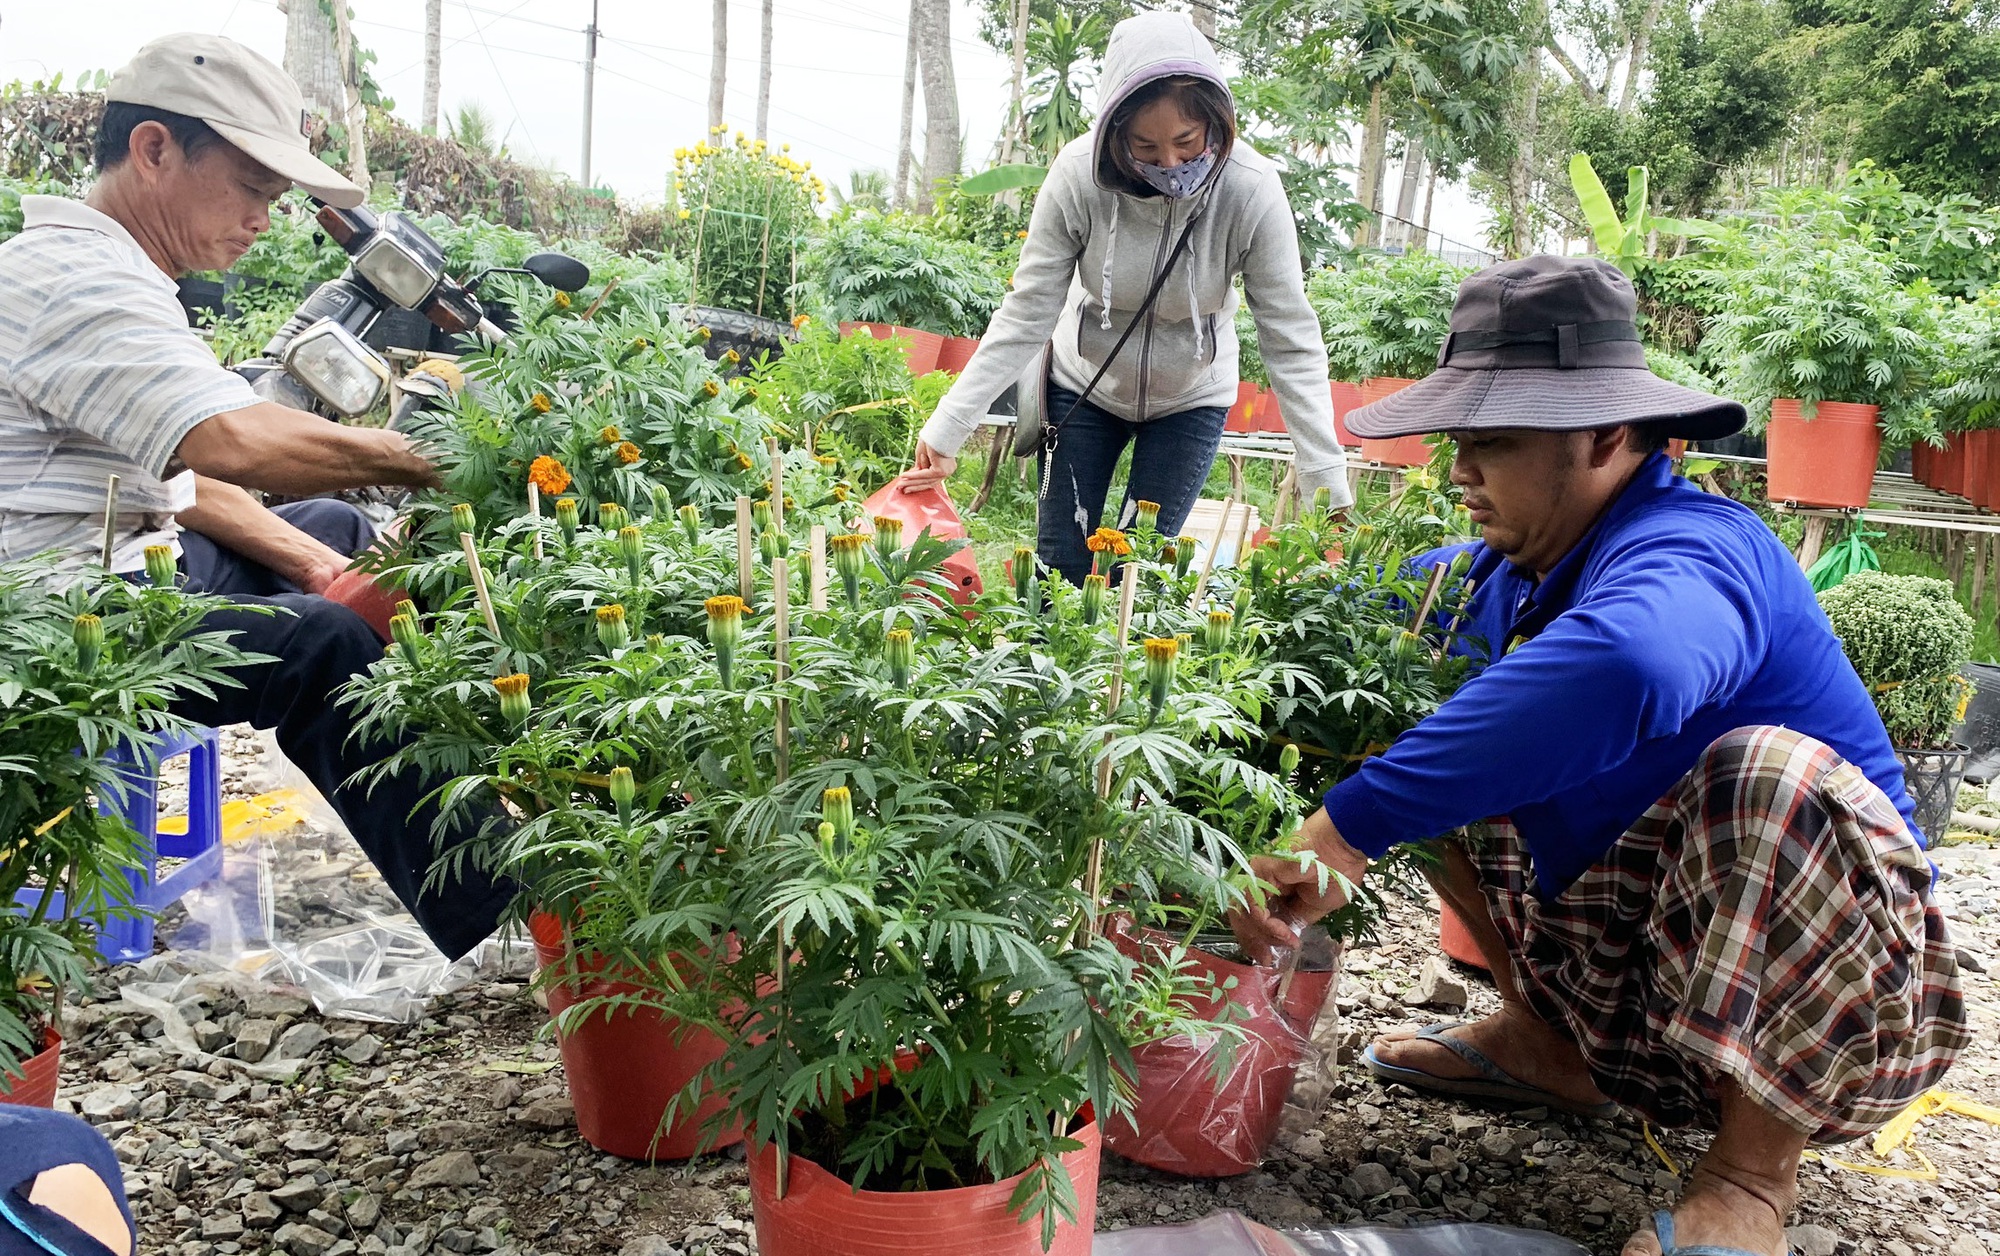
x,y
1163,154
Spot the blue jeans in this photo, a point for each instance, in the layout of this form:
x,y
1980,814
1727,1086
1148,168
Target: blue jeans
x,y
1170,463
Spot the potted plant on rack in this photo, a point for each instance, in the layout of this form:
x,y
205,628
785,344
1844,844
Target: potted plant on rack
x,y
1383,319
1967,398
84,691
1909,640
1837,342
889,276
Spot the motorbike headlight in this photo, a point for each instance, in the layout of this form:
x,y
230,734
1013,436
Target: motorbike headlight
x,y
395,270
337,368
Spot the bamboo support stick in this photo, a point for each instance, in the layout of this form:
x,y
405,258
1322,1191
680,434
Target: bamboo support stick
x,y
745,573
1431,591
777,484
1094,873
1208,560
535,513
110,519
816,578
479,589
781,646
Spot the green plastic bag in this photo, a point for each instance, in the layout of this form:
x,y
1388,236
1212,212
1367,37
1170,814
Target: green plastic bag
x,y
1852,554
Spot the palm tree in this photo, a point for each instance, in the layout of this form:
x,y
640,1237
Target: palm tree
x,y
433,55
473,129
718,62
903,155
311,57
1058,50
764,77
867,190
942,157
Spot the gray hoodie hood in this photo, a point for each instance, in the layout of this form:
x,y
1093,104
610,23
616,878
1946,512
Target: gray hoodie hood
x,y
1145,47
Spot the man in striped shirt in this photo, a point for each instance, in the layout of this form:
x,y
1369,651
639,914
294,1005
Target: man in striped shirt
x,y
100,376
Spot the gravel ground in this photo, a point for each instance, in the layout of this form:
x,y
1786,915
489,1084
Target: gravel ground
x,y
454,1134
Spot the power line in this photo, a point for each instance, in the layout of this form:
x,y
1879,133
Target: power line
x,y
828,148
480,31
636,44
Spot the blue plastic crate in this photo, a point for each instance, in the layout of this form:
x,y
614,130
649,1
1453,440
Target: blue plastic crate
x,y
124,941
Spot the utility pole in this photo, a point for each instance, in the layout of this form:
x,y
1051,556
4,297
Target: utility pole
x,y
589,86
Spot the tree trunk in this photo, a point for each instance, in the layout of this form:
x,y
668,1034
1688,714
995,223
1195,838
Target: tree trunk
x,y
433,58
718,62
764,76
942,157
355,111
1422,239
899,195
1642,39
1374,134
1203,13
1016,140
311,60
1520,177
1575,71
1406,196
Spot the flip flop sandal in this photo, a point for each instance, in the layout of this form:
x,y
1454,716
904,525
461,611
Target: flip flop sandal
x,y
1493,1082
1663,1227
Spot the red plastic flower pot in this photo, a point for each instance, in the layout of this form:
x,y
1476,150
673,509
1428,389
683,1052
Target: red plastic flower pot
x,y
1921,454
34,1086
920,350
1946,471
367,597
1182,1121
1346,397
1268,415
955,352
931,511
821,1215
1983,482
1400,451
1243,415
1827,461
625,1068
1456,940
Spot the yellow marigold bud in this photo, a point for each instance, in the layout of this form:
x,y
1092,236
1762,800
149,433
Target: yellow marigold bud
x,y
515,705
711,388
540,403
612,631
609,435
160,567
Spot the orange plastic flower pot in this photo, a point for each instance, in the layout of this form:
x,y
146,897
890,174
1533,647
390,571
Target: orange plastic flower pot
x,y
1242,416
34,1086
821,1215
1983,482
1456,940
920,350
1268,416
1181,1121
625,1069
1945,472
367,597
1400,451
955,352
1921,456
1827,461
1346,397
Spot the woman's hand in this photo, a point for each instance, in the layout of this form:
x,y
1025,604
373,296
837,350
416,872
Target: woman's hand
x,y
932,469
1302,887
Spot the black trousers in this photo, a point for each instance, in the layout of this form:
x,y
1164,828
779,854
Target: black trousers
x,y
318,646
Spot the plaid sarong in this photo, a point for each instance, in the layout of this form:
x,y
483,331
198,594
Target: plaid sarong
x,y
1769,920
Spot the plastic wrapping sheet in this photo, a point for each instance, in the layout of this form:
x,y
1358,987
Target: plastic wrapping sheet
x,y
1230,1234
1183,1121
298,902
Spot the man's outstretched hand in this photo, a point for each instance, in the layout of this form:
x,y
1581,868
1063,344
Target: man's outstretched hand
x,y
1294,895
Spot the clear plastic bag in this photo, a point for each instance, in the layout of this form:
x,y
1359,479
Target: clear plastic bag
x,y
1184,1121
298,902
1231,1234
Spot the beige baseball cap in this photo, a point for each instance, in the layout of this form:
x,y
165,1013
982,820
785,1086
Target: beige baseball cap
x,y
250,102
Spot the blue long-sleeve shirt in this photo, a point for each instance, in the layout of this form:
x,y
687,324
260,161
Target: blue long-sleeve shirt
x,y
1676,619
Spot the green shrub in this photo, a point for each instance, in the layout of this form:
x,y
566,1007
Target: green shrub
x,y
876,268
1385,315
856,395
1907,637
1968,381
742,214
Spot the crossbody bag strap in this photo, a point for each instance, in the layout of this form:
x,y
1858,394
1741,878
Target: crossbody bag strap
x,y
1051,430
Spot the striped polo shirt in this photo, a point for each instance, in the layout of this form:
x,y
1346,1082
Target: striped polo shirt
x,y
99,376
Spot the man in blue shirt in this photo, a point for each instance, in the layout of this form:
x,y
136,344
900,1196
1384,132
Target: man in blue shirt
x,y
1689,858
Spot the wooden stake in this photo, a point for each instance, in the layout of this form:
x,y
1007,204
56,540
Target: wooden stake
x,y
781,646
535,513
745,574
1208,562
1815,536
1287,488
110,518
1094,872
1438,573
777,484
479,589
816,578
1239,554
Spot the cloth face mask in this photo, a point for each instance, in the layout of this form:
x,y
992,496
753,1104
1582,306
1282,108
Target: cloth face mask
x,y
1178,182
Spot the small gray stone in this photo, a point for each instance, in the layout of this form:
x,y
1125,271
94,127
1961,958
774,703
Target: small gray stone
x,y
403,1140
457,1239
365,1211
254,1039
209,1036
194,1085
453,1168
1919,1235
1368,1180
177,1176
303,1240
271,1004
154,1106
222,1227
1500,1148
110,1103
300,1041
1814,1240
299,1195
362,1049
1966,1245
1437,986
308,1142
649,1245
259,1212
553,1113
506,1093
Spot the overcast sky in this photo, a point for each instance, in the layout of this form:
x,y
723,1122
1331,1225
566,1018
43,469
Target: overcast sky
x,y
835,95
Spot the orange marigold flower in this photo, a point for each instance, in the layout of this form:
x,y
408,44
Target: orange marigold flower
x,y
628,453
609,435
540,403
1109,541
799,323
548,475
743,460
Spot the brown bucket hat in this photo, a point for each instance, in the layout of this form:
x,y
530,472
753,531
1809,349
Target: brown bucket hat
x,y
1550,344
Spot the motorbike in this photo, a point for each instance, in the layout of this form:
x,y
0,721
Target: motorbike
x,y
318,361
